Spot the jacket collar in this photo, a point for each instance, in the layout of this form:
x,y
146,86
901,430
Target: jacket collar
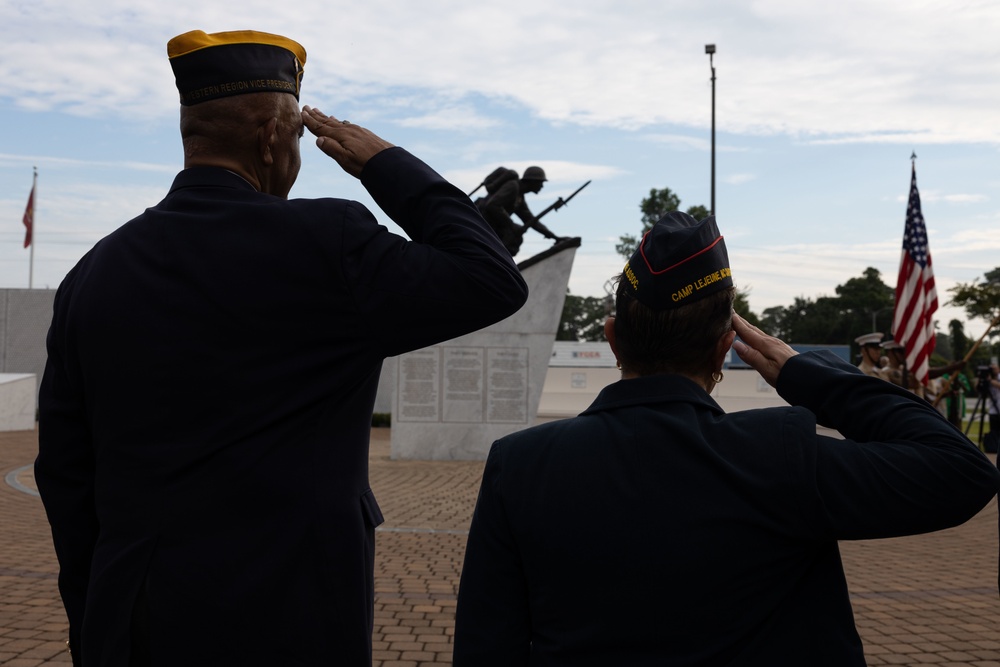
x,y
650,390
211,177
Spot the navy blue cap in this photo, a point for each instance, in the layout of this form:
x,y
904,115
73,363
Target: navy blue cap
x,y
679,261
222,64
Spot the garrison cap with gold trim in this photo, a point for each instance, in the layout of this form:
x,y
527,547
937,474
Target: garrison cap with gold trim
x,y
679,261
222,64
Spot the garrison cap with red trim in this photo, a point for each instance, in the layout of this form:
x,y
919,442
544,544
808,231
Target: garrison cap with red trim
x,y
222,64
679,261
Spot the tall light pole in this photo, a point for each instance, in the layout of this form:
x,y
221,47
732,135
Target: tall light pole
x,y
710,50
876,312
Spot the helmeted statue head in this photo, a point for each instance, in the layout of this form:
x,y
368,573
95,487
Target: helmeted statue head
x,y
534,174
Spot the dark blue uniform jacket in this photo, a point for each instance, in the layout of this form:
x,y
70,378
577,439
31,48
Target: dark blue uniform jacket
x,y
206,406
655,529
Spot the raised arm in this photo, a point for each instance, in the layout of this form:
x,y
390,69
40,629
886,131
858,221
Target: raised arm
x,y
452,278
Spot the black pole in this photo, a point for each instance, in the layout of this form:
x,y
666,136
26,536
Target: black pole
x,y
710,50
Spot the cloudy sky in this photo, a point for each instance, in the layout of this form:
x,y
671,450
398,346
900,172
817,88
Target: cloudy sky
x,y
819,107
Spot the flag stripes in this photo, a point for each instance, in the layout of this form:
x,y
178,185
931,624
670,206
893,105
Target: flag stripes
x,y
916,296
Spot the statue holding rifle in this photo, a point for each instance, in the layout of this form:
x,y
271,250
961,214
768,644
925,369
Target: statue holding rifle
x,y
505,197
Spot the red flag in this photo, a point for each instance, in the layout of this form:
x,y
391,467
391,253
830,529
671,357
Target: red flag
x,y
29,217
916,298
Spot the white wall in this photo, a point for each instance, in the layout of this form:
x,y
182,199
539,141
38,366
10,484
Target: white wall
x,y
569,391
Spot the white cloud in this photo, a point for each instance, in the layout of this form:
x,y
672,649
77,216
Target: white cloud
x,y
738,179
679,141
60,162
458,118
965,199
685,142
983,238
932,196
448,78
854,72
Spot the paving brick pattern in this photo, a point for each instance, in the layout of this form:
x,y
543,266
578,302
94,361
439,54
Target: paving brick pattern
x,y
921,600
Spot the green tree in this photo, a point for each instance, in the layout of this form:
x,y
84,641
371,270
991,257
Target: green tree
x,y
942,350
866,302
655,206
865,294
741,304
959,341
774,321
981,300
582,318
816,321
833,320
698,212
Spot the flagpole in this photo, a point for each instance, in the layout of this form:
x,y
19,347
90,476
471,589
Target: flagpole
x,y
906,380
916,295
31,259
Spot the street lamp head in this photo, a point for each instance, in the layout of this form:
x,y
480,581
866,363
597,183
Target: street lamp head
x,y
710,48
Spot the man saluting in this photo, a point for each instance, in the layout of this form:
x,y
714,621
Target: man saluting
x,y
206,405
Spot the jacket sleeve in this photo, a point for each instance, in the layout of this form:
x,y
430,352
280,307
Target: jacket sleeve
x,y
64,473
492,619
902,468
452,278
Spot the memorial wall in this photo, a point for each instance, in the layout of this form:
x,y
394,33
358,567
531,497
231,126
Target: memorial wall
x,y
451,401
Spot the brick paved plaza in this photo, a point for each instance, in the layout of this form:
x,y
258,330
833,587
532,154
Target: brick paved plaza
x,y
922,600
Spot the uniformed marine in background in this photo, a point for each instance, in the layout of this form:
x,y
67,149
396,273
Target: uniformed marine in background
x,y
896,371
871,354
505,197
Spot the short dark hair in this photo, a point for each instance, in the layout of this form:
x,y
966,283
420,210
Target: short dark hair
x,y
227,126
676,340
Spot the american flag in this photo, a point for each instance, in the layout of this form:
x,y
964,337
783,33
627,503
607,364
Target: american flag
x,y
916,298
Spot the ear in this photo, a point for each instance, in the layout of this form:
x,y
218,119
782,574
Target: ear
x,y
722,349
266,135
609,333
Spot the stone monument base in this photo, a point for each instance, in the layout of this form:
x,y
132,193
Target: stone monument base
x,y
17,401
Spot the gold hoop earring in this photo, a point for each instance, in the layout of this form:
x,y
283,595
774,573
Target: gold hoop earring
x,y
717,377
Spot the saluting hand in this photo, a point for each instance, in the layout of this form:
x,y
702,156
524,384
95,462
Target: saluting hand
x,y
349,144
765,354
